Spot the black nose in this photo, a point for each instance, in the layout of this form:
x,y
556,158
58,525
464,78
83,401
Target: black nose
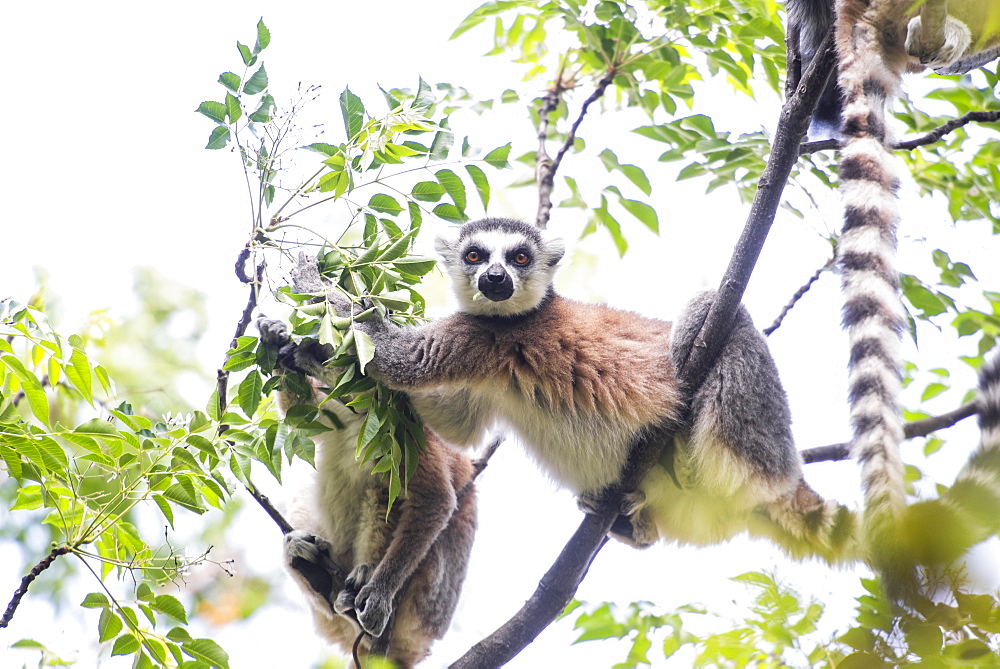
x,y
496,274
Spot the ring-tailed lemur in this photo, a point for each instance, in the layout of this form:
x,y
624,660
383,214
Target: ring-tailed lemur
x,y
582,384
410,566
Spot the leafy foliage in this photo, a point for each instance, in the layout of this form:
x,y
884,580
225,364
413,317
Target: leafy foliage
x,y
777,632
87,480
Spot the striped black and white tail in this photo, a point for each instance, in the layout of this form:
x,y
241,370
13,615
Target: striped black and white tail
x,y
873,314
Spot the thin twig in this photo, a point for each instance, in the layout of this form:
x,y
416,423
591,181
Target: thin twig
x,y
22,589
546,171
925,139
797,296
222,381
923,427
941,131
912,430
265,503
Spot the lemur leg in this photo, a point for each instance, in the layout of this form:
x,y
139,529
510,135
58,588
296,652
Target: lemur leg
x,y
425,513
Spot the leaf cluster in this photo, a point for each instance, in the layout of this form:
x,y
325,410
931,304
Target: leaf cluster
x,y
88,479
775,632
964,631
133,636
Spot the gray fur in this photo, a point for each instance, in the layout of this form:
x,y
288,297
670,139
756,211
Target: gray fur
x,y
408,568
742,392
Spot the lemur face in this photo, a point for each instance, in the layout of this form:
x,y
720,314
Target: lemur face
x,y
499,267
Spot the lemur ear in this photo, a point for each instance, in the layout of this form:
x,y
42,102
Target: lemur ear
x,y
553,246
446,242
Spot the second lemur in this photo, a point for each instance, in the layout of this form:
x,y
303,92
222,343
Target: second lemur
x,y
582,384
408,567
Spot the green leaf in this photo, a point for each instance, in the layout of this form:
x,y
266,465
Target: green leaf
x,y
443,141
256,83
109,625
126,644
365,347
631,172
169,605
415,265
263,37
80,374
424,98
932,390
454,186
325,149
248,57
427,191
398,248
213,110
481,183
96,426
219,138
230,81
30,386
498,157
250,392
384,204
642,211
390,100
208,651
353,111
450,213
264,110
95,600
182,495
233,109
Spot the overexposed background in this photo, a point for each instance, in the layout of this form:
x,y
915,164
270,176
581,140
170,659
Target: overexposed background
x,y
105,171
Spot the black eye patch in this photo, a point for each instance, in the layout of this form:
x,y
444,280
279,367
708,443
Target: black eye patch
x,y
474,255
519,257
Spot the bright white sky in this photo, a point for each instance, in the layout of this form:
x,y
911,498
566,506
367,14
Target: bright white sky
x,y
105,171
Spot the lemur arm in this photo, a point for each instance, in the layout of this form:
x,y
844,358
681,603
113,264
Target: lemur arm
x,y
406,358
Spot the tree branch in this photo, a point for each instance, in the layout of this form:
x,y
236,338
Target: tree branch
x,y
545,170
798,296
550,598
792,125
22,589
912,430
941,131
928,138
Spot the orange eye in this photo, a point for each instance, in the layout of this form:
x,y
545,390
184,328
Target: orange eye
x,y
472,256
521,258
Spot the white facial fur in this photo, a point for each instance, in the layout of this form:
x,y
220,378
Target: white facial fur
x,y
531,282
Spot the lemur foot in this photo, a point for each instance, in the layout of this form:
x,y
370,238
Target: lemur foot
x,y
371,606
957,39
637,531
624,504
